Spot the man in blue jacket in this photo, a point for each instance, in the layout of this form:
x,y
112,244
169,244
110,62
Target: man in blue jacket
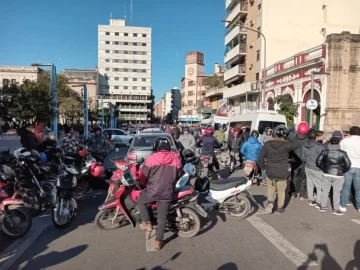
x,y
252,147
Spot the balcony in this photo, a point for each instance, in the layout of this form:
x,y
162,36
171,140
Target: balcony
x,y
230,3
234,73
241,9
129,108
233,33
214,91
239,51
241,90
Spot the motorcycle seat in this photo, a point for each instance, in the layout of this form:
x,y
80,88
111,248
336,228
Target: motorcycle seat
x,y
224,184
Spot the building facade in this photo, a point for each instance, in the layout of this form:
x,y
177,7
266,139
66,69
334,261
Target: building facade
x,y
175,103
18,74
124,64
78,77
304,24
214,94
158,109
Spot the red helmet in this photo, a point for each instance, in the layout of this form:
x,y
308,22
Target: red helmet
x,y
96,169
82,153
303,128
208,130
235,130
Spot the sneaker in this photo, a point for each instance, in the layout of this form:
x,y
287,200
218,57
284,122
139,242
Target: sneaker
x,y
158,244
342,209
294,195
146,227
317,206
323,209
337,212
349,203
312,203
302,198
263,182
269,208
280,210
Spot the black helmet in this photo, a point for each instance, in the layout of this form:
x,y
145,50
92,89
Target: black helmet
x,y
254,133
280,131
162,144
186,129
97,128
189,155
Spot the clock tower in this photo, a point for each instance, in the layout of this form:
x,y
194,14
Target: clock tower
x,y
194,65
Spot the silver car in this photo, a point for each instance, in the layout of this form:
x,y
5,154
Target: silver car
x,y
142,145
118,136
152,130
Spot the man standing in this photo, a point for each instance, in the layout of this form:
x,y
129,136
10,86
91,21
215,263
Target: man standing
x,y
219,134
70,143
159,188
310,152
234,145
244,136
175,132
274,158
99,145
297,166
351,145
187,140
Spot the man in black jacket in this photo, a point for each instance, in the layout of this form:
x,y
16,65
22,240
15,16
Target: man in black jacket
x,y
209,142
234,144
274,158
175,132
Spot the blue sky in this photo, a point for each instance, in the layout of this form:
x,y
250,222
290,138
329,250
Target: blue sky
x,y
65,32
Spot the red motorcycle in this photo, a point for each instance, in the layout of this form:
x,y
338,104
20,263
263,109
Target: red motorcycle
x,y
15,218
183,217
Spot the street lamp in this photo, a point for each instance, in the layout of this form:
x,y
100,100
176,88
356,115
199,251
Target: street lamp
x,y
262,89
86,109
312,91
54,100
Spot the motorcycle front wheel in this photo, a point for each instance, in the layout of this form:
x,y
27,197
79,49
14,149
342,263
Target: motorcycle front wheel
x,y
82,187
105,219
64,212
18,223
190,223
240,207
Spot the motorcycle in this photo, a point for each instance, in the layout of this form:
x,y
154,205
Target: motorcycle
x,y
15,218
223,156
251,171
183,217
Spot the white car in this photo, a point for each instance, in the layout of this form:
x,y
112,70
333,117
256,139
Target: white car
x,y
118,136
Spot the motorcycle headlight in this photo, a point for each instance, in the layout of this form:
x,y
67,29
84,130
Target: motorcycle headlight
x,y
74,181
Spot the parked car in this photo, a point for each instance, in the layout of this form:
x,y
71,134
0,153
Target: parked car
x,y
152,130
132,129
118,136
141,146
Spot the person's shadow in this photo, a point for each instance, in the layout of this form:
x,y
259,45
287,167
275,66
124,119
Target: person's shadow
x,y
355,263
327,262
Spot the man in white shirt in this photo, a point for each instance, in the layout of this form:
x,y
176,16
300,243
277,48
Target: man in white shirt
x,y
351,145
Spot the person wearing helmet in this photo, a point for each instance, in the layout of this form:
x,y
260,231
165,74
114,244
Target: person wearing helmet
x,y
219,134
209,142
298,175
98,144
252,147
273,158
234,144
159,189
187,140
70,143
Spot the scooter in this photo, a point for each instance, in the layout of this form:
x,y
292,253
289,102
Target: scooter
x,y
183,217
251,171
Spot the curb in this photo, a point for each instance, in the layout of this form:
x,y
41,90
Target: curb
x,y
19,246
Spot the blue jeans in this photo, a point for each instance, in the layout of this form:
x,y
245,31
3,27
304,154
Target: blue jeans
x,y
351,177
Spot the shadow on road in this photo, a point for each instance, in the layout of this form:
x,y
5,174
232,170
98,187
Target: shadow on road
x,y
228,266
327,261
160,267
211,221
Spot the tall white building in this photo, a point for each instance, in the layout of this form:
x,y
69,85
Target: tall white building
x,y
124,64
167,97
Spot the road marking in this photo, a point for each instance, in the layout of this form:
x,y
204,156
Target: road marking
x,y
295,255
357,221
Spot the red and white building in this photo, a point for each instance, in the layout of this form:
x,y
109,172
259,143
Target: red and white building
x,y
292,77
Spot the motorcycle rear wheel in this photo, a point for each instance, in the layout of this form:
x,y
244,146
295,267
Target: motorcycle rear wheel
x,y
194,226
82,188
241,209
19,215
56,215
103,221
32,202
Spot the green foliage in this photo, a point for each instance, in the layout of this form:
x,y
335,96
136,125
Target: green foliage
x,y
214,81
287,108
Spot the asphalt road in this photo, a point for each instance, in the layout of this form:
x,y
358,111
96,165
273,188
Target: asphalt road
x,y
301,238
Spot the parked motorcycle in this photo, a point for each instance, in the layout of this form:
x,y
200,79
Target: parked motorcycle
x,y
15,218
223,156
251,171
183,217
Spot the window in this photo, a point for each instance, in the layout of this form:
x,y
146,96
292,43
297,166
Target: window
x,y
116,33
126,70
126,79
117,132
135,70
116,78
126,43
107,69
116,43
13,81
134,88
107,42
143,88
107,51
257,76
107,33
135,52
259,30
125,87
143,62
116,87
259,9
107,60
135,43
143,70
126,52
264,124
258,55
143,44
126,61
134,35
143,79
126,34
116,51
190,103
191,83
134,79
115,60
116,69
241,123
190,93
143,35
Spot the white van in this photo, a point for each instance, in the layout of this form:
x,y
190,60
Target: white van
x,y
258,119
214,121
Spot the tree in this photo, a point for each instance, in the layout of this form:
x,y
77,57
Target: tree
x,y
214,81
287,108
